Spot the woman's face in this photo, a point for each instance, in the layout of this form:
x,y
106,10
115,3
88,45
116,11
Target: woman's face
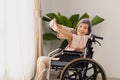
x,y
82,29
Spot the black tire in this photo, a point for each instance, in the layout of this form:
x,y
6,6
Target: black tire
x,y
83,69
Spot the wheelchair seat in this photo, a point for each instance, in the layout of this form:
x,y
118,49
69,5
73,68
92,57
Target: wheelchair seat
x,y
66,57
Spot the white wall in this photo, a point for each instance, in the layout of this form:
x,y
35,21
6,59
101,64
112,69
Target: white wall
x,y
107,55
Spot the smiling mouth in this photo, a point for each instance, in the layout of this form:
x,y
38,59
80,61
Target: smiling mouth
x,y
81,32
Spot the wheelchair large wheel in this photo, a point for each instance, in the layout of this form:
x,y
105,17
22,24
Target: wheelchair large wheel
x,y
83,69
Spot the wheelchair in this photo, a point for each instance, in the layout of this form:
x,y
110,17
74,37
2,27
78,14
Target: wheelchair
x,y
77,65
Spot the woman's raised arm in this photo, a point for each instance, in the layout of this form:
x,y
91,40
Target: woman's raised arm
x,y
58,28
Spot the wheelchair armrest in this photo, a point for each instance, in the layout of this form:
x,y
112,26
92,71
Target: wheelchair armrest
x,y
54,52
73,52
78,52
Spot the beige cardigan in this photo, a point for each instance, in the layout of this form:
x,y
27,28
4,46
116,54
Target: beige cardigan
x,y
78,43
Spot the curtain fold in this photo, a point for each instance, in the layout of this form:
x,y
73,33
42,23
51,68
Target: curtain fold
x,y
38,30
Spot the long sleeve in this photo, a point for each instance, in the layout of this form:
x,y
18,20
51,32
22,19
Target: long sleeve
x,y
66,29
78,43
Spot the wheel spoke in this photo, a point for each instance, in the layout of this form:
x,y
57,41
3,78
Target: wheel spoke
x,y
93,76
70,75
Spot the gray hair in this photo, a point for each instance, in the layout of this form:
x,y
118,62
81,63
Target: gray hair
x,y
86,21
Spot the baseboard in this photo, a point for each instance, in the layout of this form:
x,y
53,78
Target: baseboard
x,y
113,79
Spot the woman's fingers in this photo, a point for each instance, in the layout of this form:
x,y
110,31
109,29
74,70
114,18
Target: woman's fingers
x,y
55,58
53,24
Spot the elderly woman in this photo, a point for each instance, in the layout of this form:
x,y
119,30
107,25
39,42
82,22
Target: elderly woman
x,y
77,39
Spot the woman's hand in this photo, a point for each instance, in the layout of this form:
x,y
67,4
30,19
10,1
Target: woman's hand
x,y
55,59
53,24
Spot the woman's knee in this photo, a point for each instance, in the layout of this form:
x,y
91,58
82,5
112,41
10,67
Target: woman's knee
x,y
43,60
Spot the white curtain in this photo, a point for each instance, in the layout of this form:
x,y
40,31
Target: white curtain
x,y
16,39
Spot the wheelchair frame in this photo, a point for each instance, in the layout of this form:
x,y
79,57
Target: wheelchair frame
x,y
85,61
